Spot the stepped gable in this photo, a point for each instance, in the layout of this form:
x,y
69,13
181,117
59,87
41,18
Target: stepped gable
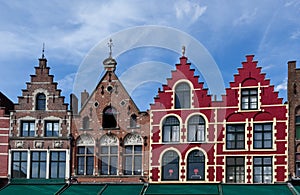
x,y
41,82
250,75
182,72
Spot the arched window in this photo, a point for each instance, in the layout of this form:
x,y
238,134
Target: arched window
x,y
85,155
109,117
170,166
86,123
40,101
182,96
133,120
108,155
195,165
133,154
171,127
196,129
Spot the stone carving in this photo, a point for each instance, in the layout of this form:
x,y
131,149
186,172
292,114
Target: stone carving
x,y
20,144
58,144
108,140
133,139
39,144
85,139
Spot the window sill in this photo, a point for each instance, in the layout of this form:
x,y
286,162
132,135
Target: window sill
x,y
82,129
109,129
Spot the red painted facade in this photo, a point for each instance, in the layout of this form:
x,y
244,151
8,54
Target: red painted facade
x,y
241,139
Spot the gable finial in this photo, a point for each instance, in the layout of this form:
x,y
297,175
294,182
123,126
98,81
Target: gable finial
x,y
110,45
43,51
183,50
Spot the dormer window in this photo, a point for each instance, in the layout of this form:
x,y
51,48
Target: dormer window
x,y
249,99
40,101
86,123
109,118
182,96
133,121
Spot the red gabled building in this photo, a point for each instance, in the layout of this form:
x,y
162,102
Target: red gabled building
x,y
241,139
6,105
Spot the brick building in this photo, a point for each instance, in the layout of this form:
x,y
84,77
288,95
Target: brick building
x,y
110,133
6,105
240,139
39,130
293,94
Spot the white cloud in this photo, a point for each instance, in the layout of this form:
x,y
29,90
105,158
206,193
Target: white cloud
x,y
295,35
246,17
189,11
282,86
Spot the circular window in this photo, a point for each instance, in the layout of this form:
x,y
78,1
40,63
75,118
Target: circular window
x,y
109,88
96,104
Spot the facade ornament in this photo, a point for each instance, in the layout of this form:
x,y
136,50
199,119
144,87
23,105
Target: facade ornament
x,y
85,139
133,139
108,140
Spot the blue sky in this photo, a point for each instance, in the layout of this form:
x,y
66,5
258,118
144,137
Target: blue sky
x,y
72,30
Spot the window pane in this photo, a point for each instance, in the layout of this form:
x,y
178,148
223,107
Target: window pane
x,y
114,149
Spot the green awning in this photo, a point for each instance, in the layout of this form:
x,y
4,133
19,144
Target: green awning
x,y
123,189
257,189
209,189
83,189
31,189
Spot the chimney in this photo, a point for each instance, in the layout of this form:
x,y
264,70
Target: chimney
x,y
84,97
74,104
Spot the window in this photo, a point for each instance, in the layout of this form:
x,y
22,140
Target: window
x,y
27,128
249,99
235,170
109,118
19,164
196,129
57,164
182,95
262,169
235,137
171,129
40,101
263,136
170,166
86,123
297,127
196,165
38,164
297,164
133,120
133,154
51,128
109,155
85,160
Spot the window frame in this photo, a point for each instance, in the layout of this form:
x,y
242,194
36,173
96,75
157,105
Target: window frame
x,y
109,118
238,170
132,168
59,163
169,165
41,163
297,164
182,95
199,129
297,127
235,134
30,132
20,161
263,133
40,101
110,168
86,155
173,135
246,99
262,167
52,129
195,166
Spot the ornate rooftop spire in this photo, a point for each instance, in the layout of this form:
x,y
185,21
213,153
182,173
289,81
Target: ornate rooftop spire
x,y
183,50
43,51
110,63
